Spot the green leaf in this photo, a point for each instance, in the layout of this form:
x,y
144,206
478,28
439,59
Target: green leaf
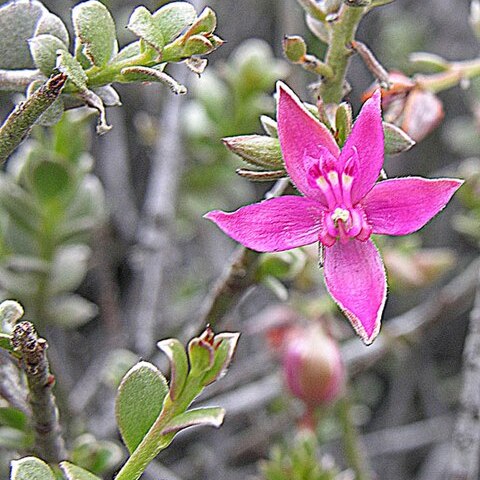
x,y
11,417
343,122
143,25
139,402
14,439
178,365
68,268
30,468
18,21
50,24
19,204
173,18
71,311
396,140
269,125
50,181
211,416
225,344
129,51
147,74
201,356
5,344
73,69
95,28
44,52
72,472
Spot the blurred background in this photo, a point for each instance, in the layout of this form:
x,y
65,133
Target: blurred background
x,y
148,260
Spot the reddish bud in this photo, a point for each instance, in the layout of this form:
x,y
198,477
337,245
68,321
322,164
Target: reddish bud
x,y
406,104
312,366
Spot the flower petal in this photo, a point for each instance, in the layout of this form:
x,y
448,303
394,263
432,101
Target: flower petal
x,y
301,135
273,225
355,278
403,205
367,139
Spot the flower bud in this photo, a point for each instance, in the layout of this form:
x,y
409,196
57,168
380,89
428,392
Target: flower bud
x,y
409,106
258,150
312,366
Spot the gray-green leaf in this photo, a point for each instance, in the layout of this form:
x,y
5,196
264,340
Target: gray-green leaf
x,y
173,18
178,365
72,472
50,24
44,51
143,25
71,311
72,68
18,21
396,140
139,402
211,416
30,468
95,28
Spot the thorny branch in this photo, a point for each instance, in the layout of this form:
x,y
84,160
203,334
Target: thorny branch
x,y
49,443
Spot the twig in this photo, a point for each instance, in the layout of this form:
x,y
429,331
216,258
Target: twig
x,y
236,278
18,124
154,249
465,456
115,175
453,298
406,438
49,443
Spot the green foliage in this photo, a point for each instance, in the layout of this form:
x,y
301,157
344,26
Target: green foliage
x,y
139,402
31,468
32,37
96,456
149,414
299,461
51,203
72,472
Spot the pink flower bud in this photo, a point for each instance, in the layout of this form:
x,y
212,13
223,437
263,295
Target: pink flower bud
x,y
312,366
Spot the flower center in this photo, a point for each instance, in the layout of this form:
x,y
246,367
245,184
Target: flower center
x,y
342,220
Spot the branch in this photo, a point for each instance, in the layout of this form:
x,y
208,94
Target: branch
x,y
453,298
464,462
236,278
19,123
49,442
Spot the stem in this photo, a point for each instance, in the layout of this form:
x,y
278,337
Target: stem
x,y
464,464
18,124
352,444
155,441
49,443
457,72
338,53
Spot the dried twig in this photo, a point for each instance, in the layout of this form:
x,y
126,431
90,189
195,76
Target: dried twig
x,y
465,456
32,350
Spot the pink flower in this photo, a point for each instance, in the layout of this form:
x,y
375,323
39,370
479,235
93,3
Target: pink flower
x,y
341,207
